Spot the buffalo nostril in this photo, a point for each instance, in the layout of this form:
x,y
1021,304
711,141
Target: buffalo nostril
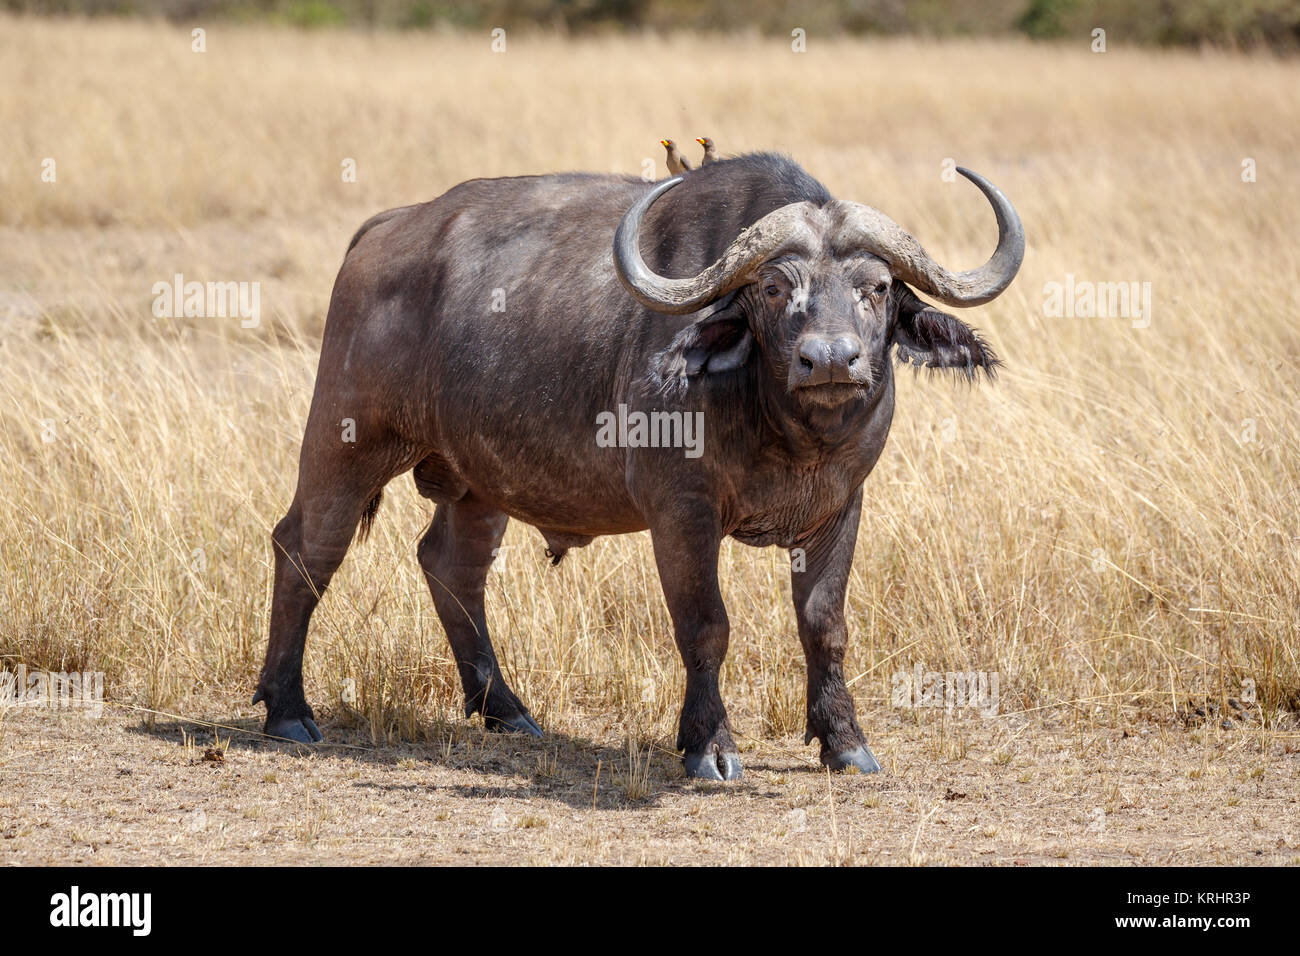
x,y
812,354
845,352
816,360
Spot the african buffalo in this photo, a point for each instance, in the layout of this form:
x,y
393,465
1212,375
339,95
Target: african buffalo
x,y
481,339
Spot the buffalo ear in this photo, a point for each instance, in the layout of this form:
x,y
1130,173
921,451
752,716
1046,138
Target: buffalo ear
x,y
929,338
719,342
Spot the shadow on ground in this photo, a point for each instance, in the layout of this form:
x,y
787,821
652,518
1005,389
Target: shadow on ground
x,y
570,769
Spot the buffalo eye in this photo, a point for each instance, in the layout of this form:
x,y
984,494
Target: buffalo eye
x,y
879,288
772,290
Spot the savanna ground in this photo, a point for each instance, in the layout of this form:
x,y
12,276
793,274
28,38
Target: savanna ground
x,y
1111,528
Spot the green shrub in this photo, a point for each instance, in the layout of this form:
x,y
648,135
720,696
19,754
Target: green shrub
x,y
312,13
1045,19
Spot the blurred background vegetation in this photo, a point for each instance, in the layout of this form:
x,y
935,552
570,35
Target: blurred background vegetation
x,y
1244,24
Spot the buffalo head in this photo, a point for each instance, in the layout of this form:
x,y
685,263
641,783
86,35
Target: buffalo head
x,y
822,293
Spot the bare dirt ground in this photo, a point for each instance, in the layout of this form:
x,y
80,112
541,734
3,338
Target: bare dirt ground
x,y
956,791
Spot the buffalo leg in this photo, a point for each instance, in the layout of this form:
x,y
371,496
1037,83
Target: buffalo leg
x,y
686,552
818,592
309,543
337,480
455,554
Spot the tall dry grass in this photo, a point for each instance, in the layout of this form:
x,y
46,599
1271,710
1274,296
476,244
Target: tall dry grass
x,y
1113,524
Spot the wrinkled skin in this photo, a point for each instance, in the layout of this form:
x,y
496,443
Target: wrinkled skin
x,y
496,411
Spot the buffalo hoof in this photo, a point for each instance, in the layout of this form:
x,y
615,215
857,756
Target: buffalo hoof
x,y
302,730
859,758
713,766
520,723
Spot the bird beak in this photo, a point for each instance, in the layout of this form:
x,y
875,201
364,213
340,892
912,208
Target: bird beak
x,y
700,141
663,142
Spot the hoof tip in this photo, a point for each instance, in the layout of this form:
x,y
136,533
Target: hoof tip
x,y
859,758
518,724
713,766
301,730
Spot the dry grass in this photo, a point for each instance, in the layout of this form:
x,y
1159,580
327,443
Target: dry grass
x,y
1103,527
